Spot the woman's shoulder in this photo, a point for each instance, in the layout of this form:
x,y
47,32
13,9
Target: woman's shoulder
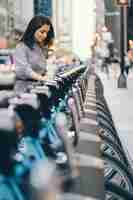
x,y
21,45
21,48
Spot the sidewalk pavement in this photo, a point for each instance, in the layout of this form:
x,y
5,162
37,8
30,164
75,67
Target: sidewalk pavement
x,y
120,102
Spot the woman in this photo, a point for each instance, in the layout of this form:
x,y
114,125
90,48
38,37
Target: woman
x,y
30,55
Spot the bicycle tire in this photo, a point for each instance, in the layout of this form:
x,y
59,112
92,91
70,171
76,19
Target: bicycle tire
x,y
107,128
106,132
106,124
115,192
115,148
101,106
115,166
103,112
102,117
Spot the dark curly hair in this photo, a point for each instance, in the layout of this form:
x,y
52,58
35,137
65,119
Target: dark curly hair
x,y
36,23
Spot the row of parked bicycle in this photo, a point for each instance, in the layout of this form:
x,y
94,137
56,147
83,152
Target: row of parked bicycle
x,y
40,133
36,128
118,172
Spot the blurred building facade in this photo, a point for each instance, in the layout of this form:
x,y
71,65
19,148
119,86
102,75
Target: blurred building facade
x,y
14,14
62,20
43,7
75,24
100,14
23,12
74,20
6,16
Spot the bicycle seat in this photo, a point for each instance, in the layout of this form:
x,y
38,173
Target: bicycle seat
x,y
26,98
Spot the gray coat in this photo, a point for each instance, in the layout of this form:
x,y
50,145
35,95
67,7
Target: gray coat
x,y
26,61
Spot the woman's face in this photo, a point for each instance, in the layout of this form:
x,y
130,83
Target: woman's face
x,y
41,33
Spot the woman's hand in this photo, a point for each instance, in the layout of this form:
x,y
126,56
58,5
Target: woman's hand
x,y
38,77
